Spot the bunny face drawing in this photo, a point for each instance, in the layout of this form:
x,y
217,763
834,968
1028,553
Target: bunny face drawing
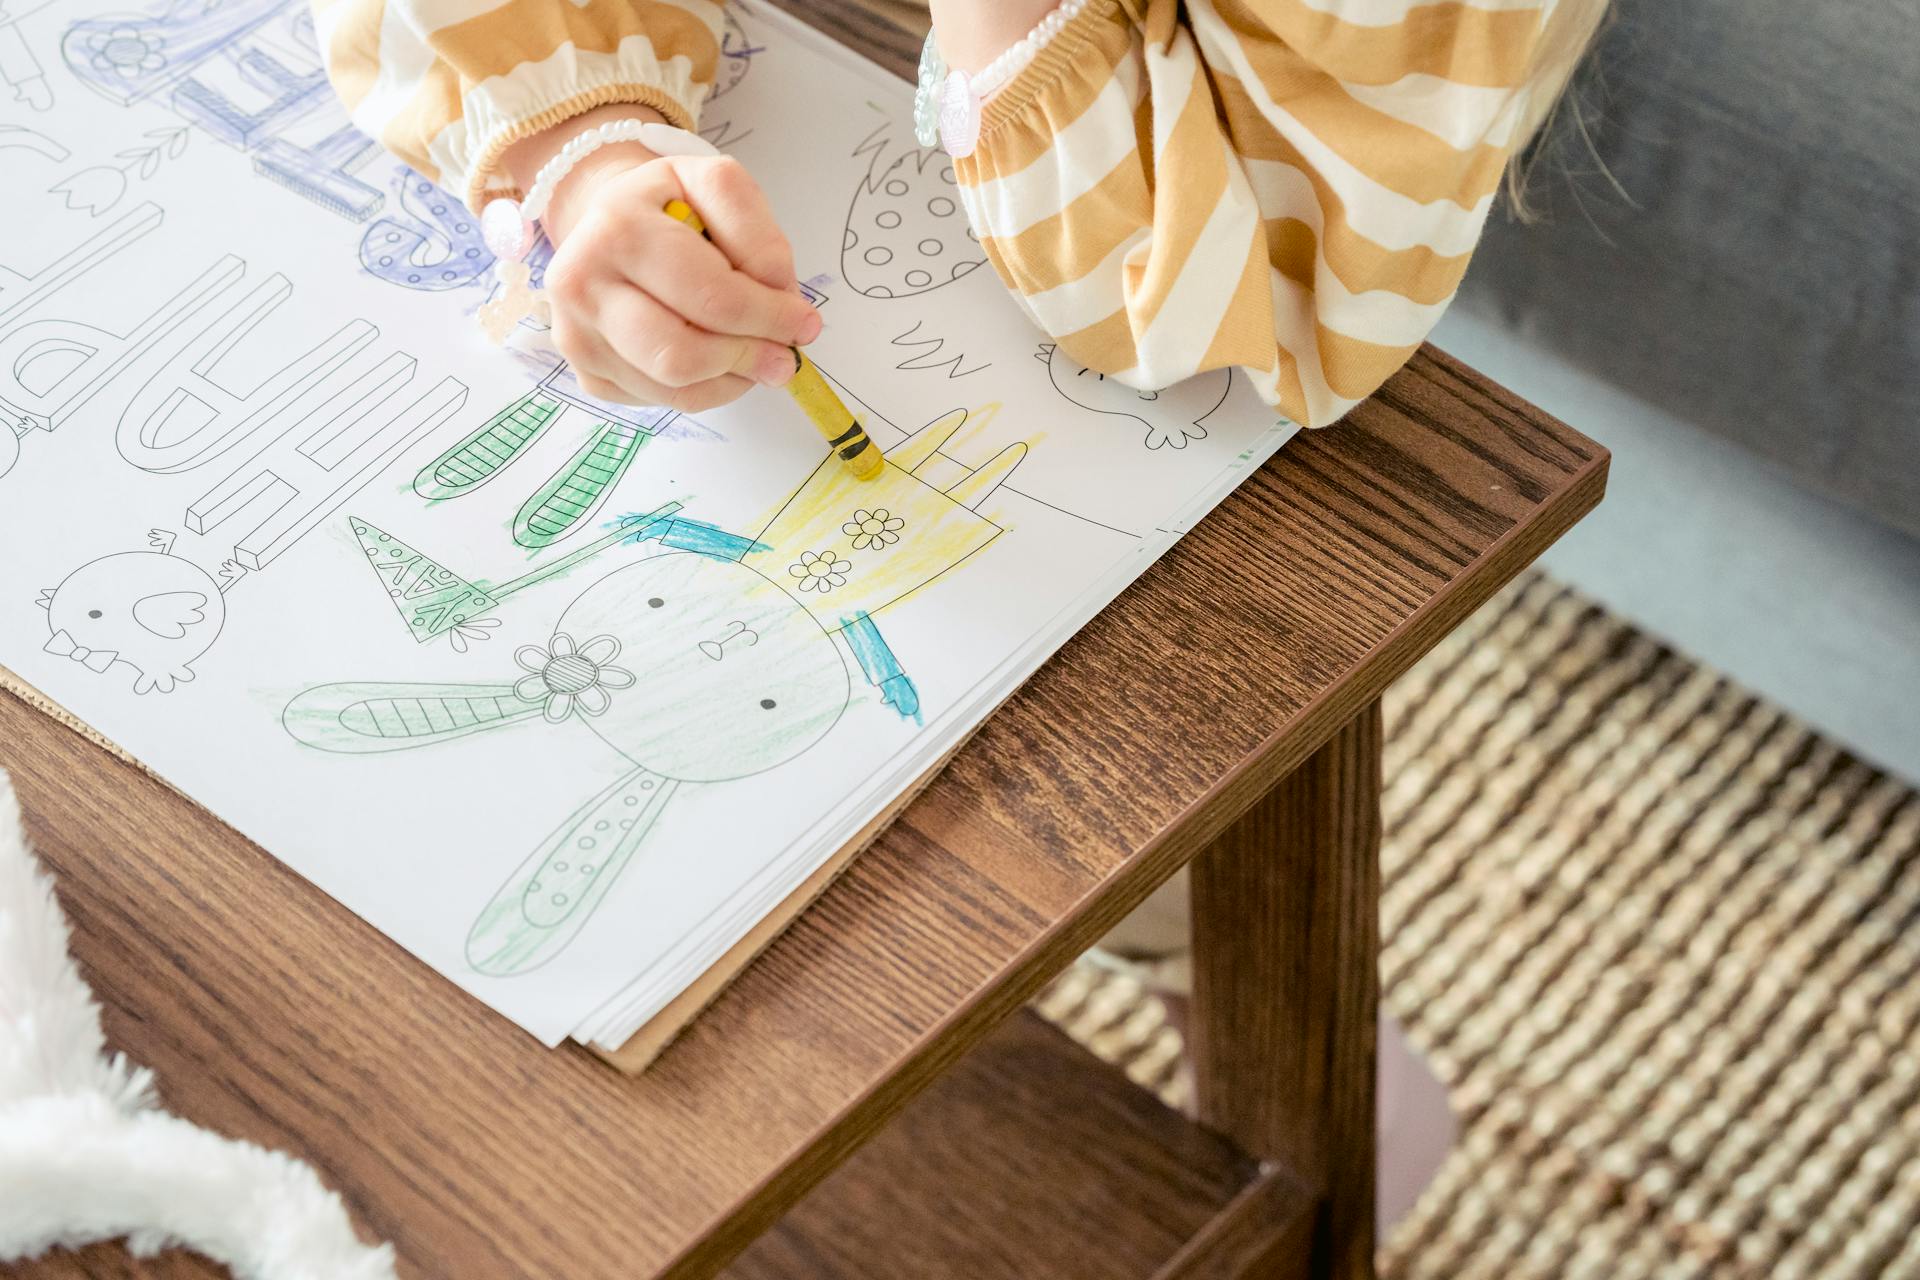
x,y
154,612
696,669
1179,412
732,675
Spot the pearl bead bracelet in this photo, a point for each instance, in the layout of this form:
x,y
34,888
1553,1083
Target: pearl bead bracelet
x,y
947,101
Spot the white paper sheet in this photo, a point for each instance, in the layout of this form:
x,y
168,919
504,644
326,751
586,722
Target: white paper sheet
x,y
276,519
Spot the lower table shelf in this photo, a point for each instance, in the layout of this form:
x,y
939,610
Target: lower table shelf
x,y
1031,1158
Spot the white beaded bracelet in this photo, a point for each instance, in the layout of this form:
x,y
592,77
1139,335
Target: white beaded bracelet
x,y
996,75
948,102
507,226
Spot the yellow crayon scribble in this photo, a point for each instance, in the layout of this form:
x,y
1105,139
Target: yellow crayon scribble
x,y
846,546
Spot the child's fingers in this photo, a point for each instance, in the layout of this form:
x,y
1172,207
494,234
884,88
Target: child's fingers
x,y
637,388
639,245
710,394
697,398
739,219
720,283
674,353
612,392
600,371
603,372
698,283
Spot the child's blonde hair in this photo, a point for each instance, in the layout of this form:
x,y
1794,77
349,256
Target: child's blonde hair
x,y
1570,31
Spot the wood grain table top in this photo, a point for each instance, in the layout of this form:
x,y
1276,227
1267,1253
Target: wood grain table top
x,y
271,1012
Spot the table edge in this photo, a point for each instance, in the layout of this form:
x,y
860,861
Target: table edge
x,y
974,1017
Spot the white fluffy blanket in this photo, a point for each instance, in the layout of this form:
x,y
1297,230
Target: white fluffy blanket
x,y
85,1153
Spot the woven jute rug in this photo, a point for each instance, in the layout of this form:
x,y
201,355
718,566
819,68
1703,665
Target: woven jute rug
x,y
1661,942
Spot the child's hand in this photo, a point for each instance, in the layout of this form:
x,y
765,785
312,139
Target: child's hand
x,y
645,309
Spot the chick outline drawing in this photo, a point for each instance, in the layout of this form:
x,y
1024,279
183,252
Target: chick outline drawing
x,y
150,610
1189,403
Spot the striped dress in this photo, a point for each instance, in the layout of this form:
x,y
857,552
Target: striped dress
x,y
1288,186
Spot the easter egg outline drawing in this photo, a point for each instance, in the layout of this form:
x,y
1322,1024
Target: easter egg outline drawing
x,y
737,52
907,232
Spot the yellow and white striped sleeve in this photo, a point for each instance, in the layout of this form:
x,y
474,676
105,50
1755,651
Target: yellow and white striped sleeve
x,y
448,85
1289,186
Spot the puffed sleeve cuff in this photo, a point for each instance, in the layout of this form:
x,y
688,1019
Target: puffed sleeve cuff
x,y
535,96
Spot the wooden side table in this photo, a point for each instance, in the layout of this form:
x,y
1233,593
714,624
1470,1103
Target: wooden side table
x,y
1225,711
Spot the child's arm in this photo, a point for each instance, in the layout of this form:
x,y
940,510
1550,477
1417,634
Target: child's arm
x,y
973,33
1291,186
478,95
449,85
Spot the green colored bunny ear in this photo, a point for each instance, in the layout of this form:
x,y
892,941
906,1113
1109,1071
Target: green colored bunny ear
x,y
488,449
575,492
364,719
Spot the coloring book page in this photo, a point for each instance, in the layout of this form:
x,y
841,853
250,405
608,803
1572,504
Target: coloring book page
x,y
561,695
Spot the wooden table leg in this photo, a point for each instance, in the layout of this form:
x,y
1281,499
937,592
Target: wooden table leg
x,y
1286,947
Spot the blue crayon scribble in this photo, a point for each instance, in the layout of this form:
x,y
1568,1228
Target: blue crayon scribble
x,y
882,669
684,534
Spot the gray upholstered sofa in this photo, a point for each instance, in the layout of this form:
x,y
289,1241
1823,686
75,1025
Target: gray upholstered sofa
x,y
1764,281
1726,290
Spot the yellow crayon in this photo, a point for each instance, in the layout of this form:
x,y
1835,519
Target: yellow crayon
x,y
682,210
829,413
812,393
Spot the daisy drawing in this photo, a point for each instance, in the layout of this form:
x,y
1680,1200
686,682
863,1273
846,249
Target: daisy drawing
x,y
876,528
569,678
820,571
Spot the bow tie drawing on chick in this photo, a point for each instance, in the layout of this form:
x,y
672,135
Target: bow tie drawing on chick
x,y
718,657
149,610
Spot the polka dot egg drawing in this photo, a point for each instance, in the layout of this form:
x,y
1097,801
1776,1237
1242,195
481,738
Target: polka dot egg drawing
x,y
906,230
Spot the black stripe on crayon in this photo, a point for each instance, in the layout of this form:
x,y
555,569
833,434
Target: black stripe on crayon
x,y
849,434
857,448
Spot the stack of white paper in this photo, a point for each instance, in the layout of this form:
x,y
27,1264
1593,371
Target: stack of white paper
x,y
563,696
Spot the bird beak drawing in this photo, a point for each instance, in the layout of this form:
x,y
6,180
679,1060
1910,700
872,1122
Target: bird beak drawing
x,y
45,598
1045,353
